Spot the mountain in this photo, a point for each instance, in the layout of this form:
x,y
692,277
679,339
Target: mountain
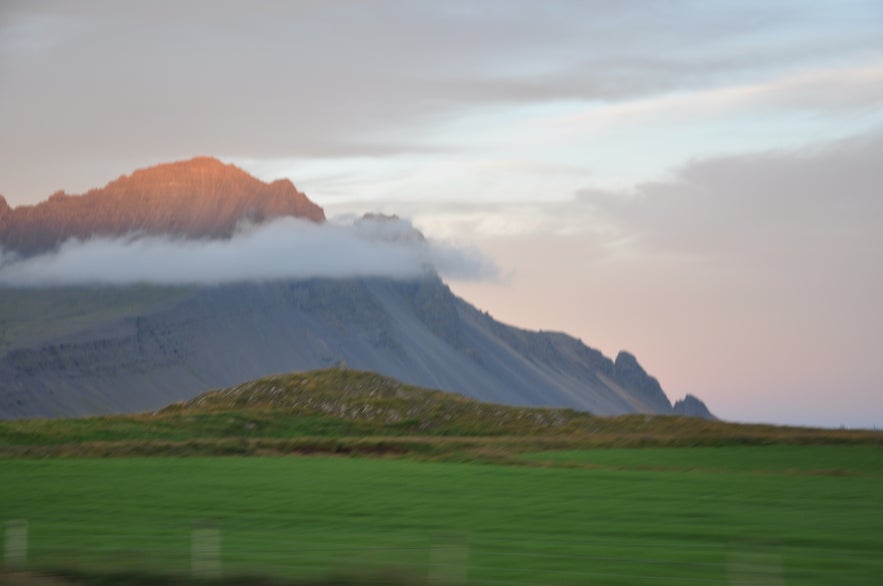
x,y
199,198
169,344
90,350
691,406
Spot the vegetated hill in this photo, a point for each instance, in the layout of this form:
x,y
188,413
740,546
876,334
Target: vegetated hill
x,y
381,404
199,198
345,411
384,406
191,340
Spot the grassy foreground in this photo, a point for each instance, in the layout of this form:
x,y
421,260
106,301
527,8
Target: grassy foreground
x,y
771,515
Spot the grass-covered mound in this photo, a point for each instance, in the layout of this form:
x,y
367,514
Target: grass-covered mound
x,y
348,411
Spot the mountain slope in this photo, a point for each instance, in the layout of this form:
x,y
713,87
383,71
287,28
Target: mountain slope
x,y
199,198
416,331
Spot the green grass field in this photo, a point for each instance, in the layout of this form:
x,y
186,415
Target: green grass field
x,y
826,460
734,515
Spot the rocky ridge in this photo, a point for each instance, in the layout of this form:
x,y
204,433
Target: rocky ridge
x,y
199,198
691,406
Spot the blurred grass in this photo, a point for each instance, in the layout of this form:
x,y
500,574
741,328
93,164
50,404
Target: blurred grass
x,y
306,517
785,459
60,577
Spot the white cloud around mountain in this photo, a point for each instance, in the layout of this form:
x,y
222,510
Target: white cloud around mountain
x,y
283,249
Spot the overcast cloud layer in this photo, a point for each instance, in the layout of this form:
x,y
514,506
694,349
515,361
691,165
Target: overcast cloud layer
x,y
93,89
286,248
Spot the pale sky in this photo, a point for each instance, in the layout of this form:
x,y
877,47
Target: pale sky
x,y
699,182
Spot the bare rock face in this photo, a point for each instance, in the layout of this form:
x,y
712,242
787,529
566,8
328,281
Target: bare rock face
x,y
633,376
5,215
691,406
199,198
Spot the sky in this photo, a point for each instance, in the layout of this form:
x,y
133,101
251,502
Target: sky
x,y
697,182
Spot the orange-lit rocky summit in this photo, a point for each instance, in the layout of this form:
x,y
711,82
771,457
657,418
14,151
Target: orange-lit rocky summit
x,y
199,198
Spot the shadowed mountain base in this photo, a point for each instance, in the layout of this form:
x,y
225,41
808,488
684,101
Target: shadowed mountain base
x,y
170,348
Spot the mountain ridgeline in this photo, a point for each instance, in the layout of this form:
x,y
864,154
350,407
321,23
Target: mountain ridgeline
x,y
200,198
75,351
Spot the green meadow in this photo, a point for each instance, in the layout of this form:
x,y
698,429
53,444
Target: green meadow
x,y
778,514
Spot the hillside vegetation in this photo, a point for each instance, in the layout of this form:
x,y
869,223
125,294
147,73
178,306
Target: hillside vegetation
x,y
347,411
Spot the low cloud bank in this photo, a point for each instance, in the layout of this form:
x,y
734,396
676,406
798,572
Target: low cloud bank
x,y
287,248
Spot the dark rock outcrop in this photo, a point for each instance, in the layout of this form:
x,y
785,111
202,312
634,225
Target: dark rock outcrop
x,y
627,370
5,213
691,406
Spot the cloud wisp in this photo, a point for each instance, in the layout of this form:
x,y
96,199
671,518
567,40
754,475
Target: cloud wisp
x,y
287,248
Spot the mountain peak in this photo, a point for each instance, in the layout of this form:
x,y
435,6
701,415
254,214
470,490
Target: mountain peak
x,y
692,406
388,228
626,359
199,177
634,377
198,198
180,169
